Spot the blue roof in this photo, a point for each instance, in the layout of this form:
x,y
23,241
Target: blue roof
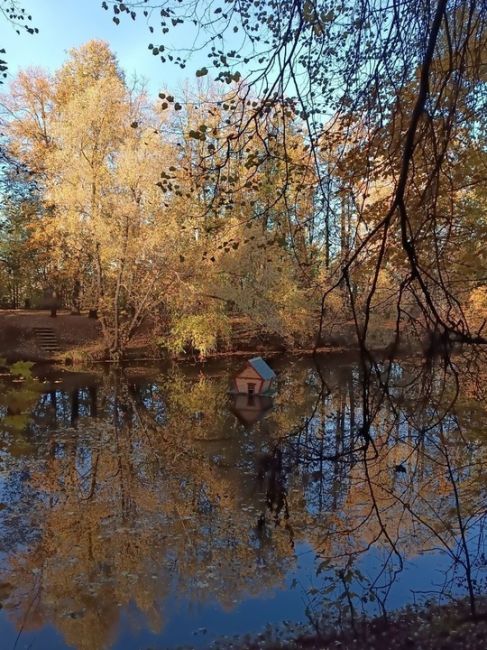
x,y
260,366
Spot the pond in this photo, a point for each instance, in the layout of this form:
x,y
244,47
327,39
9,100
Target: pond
x,y
145,508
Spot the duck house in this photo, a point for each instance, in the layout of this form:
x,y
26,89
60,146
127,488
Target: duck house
x,y
255,378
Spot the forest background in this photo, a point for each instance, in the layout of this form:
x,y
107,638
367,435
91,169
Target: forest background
x,y
244,202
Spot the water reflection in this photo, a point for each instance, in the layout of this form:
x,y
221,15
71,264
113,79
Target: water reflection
x,y
134,498
249,409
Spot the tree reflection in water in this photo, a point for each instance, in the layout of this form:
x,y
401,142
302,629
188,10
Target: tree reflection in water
x,y
123,490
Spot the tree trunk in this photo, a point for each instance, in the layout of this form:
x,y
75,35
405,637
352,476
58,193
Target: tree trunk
x,y
75,298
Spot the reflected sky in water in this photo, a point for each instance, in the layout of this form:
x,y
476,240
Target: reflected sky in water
x,y
146,508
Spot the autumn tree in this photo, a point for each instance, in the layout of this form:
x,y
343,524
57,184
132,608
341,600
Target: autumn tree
x,y
255,251
351,69
95,146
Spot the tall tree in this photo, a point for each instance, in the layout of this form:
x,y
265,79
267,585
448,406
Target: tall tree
x,y
412,65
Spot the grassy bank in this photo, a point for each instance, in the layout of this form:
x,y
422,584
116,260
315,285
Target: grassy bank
x,y
80,340
431,627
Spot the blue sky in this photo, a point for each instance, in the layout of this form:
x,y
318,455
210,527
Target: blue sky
x,y
64,24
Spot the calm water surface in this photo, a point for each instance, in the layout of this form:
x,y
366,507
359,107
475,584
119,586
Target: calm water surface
x,y
146,508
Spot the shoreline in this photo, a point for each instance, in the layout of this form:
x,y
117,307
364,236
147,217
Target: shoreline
x,y
66,362
79,344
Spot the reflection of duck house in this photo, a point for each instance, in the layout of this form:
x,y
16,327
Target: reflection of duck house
x,y
251,408
255,378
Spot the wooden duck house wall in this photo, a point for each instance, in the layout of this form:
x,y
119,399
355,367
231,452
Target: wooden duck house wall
x,y
255,378
249,381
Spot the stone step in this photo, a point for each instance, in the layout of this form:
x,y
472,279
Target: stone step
x,y
46,339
